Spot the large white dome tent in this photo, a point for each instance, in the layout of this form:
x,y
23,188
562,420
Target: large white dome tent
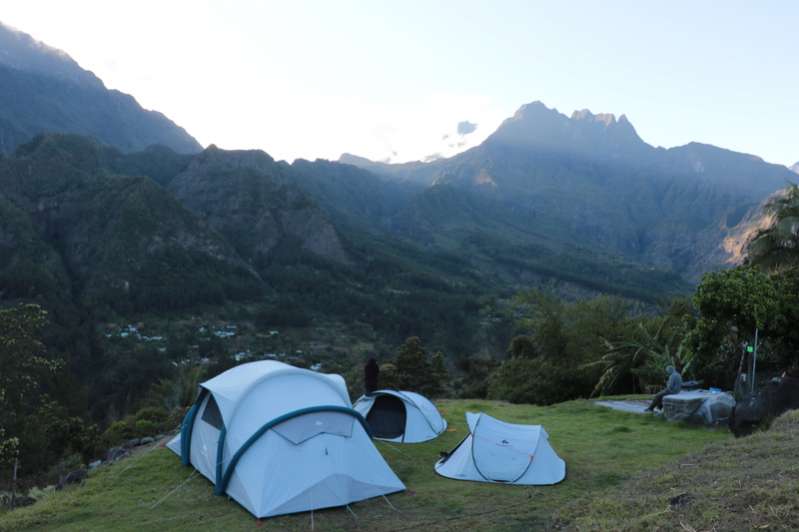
x,y
500,452
279,439
401,416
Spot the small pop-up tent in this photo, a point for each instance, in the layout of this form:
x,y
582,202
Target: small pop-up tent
x,y
495,451
280,439
404,417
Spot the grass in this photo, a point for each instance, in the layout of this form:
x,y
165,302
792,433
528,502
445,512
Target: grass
x,y
750,483
602,449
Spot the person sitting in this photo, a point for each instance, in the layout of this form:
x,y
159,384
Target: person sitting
x,y
673,385
371,373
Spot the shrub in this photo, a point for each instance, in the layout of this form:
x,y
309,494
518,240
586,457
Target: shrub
x,y
146,422
145,427
524,380
117,432
153,414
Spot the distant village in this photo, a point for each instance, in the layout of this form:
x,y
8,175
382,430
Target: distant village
x,y
134,332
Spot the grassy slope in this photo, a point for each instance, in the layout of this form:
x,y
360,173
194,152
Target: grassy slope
x,y
750,483
602,448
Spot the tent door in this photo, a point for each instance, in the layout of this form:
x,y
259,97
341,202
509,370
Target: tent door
x,y
387,417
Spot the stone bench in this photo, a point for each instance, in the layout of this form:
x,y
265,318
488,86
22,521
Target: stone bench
x,y
698,406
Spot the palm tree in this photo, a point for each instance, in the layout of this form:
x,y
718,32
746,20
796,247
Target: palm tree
x,y
776,248
179,391
657,342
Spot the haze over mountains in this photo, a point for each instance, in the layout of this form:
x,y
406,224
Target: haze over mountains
x,y
132,215
590,180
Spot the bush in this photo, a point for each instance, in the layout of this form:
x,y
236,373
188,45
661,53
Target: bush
x,y
146,422
145,427
388,376
524,380
153,414
476,372
417,371
117,432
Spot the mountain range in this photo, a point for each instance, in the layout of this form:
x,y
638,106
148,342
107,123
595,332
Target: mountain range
x,y
109,207
44,90
592,181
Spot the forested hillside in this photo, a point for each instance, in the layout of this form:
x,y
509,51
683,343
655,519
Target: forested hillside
x,y
535,267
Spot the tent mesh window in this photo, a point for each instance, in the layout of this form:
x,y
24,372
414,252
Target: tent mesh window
x,y
211,414
387,417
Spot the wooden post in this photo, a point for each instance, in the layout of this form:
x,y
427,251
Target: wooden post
x,y
14,482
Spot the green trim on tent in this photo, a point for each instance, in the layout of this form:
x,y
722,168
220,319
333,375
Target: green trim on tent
x,y
188,428
223,480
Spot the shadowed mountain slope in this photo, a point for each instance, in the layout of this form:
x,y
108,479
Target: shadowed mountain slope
x,y
591,181
43,90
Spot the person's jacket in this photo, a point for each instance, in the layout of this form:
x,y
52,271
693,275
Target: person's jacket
x,y
674,384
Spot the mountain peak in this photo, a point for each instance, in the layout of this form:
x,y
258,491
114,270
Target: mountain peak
x,y
795,167
44,90
21,51
536,110
601,135
354,160
607,119
215,157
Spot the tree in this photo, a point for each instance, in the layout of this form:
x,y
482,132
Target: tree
x,y
631,363
414,371
411,363
732,304
553,362
776,247
544,315
522,346
785,339
475,377
388,376
177,391
24,371
439,376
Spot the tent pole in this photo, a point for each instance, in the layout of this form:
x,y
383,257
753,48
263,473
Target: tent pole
x,y
14,482
353,513
754,362
389,503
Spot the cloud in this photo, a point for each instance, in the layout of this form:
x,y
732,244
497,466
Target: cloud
x,y
432,157
465,127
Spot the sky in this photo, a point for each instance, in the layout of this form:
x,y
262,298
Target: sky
x,y
414,80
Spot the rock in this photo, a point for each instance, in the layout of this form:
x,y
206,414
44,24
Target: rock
x,y
146,441
95,464
73,477
22,500
680,407
115,453
678,501
134,442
